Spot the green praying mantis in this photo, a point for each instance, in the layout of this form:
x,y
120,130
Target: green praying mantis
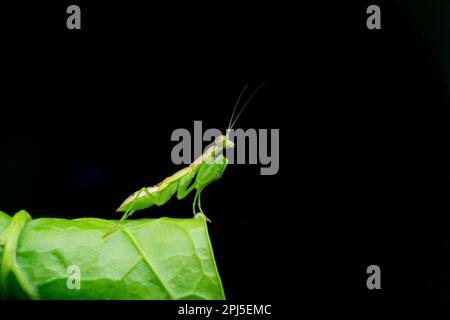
x,y
207,168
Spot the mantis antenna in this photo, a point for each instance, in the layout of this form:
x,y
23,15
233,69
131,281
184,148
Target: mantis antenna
x,y
233,122
235,106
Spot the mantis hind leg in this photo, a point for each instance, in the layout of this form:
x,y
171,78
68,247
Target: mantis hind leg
x,y
127,213
130,210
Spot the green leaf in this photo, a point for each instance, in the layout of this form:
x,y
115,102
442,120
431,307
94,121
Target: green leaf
x,y
145,259
5,220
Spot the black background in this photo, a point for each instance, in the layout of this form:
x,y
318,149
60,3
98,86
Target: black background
x,y
87,115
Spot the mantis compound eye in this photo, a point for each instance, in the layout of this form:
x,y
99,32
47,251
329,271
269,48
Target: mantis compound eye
x,y
229,143
219,140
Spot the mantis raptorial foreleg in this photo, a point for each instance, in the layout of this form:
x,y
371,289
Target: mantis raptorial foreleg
x,y
181,194
183,185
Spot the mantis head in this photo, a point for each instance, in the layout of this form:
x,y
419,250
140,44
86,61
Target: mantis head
x,y
224,142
